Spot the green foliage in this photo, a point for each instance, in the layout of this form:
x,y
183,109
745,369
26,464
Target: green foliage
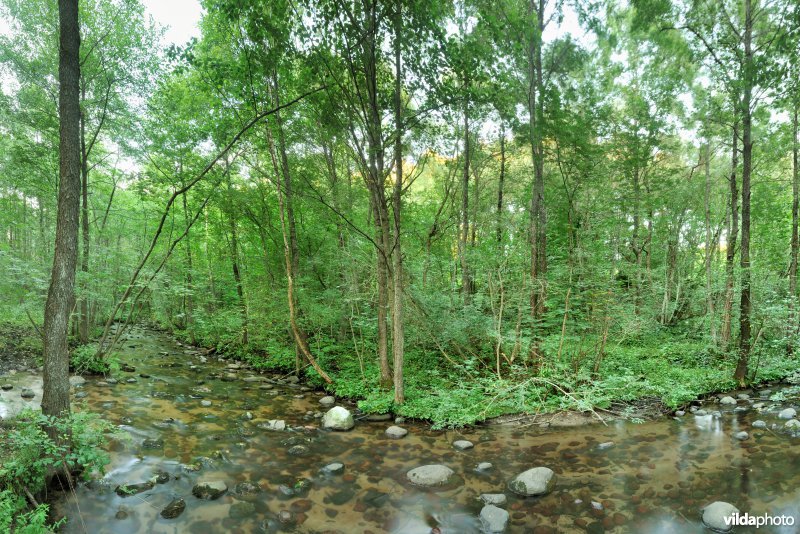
x,y
29,455
84,360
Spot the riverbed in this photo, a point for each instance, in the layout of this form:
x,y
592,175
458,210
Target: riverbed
x,y
191,418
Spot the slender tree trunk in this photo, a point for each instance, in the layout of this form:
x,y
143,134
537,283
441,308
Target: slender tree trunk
x,y
795,246
733,232
189,282
463,236
398,334
61,293
538,215
83,329
745,305
635,245
375,183
500,186
709,248
237,277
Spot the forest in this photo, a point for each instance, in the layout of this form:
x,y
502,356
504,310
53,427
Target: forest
x,y
447,211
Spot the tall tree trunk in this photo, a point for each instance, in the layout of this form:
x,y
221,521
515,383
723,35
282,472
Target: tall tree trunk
x,y
463,236
398,334
733,232
61,293
235,267
500,186
792,327
709,247
745,305
375,183
189,283
83,329
538,215
635,245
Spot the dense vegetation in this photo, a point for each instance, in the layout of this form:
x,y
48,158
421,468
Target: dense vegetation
x,y
450,210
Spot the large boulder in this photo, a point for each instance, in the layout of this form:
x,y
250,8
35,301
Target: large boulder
x,y
535,481
493,519
430,475
338,418
209,489
788,413
715,513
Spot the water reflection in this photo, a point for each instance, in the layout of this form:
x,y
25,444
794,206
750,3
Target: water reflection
x,y
653,479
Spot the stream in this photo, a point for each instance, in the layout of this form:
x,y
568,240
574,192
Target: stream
x,y
195,418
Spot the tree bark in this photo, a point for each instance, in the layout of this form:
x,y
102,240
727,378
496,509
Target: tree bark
x,y
83,328
463,236
795,246
398,334
709,247
61,293
745,305
733,232
500,186
538,214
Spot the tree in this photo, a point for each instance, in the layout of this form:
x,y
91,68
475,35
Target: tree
x,y
61,295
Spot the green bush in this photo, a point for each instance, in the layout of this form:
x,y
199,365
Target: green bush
x,y
84,360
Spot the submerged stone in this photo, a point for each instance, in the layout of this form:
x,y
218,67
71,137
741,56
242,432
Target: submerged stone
x,y
173,509
209,490
715,513
430,475
493,519
535,481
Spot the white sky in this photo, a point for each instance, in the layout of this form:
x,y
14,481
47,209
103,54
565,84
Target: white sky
x,y
179,17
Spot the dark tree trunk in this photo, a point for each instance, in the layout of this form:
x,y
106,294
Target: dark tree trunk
x,y
500,186
61,294
463,236
733,233
83,329
745,305
795,246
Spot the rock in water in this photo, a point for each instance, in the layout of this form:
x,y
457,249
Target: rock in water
x,y
792,424
759,424
173,509
496,499
274,424
462,444
430,475
209,490
396,432
127,490
788,413
536,481
727,400
27,393
338,418
493,519
715,513
327,402
741,435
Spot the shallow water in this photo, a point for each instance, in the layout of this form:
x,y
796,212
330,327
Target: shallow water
x,y
654,479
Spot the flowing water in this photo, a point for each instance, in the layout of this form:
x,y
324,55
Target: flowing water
x,y
653,479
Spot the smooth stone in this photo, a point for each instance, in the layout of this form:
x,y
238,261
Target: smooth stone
x,y
334,468
205,403
606,445
293,379
759,424
700,413
27,393
535,481
680,413
787,413
743,396
173,509
484,466
496,499
338,418
463,444
327,401
6,387
727,400
76,380
209,489
395,432
792,424
715,513
741,435
399,420
430,475
274,424
493,519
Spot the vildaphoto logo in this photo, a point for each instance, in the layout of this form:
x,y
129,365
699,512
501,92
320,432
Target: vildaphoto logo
x,y
765,520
